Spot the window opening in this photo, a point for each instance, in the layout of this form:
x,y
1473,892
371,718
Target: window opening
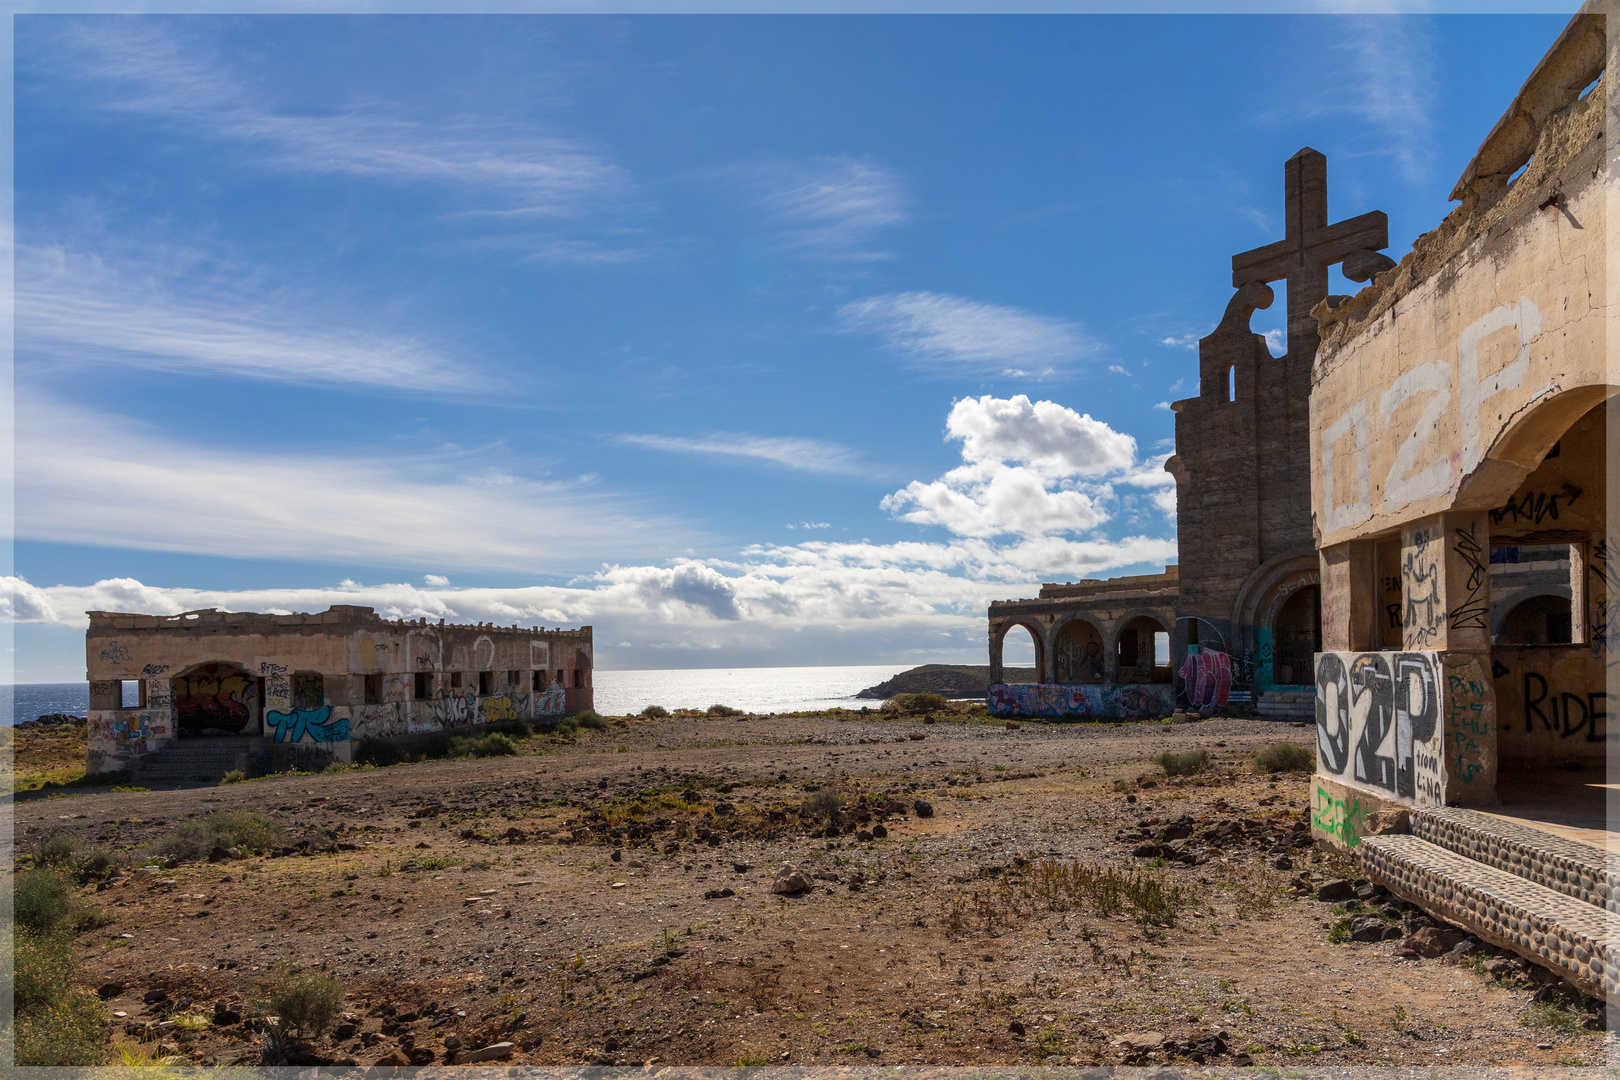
x,y
486,681
421,688
1231,383
374,689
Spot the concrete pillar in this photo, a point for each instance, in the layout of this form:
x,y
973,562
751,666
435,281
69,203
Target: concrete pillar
x,y
996,672
1350,608
1045,651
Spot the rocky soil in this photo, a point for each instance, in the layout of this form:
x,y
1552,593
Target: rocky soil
x,y
979,894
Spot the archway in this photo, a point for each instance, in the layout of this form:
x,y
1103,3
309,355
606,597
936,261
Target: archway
x,y
215,699
1079,654
1296,637
1537,620
1019,646
1142,652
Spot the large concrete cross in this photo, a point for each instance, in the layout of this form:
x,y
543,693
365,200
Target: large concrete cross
x,y
1309,248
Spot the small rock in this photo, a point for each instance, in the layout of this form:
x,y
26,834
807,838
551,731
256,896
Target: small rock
x,y
452,1042
1130,798
1013,725
109,990
1461,951
218,854
863,836
392,1059
923,809
488,1053
1016,1027
879,832
1282,862
1432,941
1333,892
1371,928
421,1055
617,855
718,894
154,996
1140,1041
741,867
1500,966
790,880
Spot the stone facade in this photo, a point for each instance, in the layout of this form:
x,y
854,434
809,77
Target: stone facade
x,y
322,681
1460,412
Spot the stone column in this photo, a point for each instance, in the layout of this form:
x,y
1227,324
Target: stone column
x,y
1350,608
1446,598
996,673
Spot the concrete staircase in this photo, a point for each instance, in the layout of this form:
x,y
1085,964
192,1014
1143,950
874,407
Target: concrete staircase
x,y
190,761
1287,704
1553,901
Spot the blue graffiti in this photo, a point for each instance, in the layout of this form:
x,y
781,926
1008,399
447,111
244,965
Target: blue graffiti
x,y
314,724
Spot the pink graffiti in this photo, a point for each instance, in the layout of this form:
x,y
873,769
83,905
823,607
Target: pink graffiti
x,y
1207,676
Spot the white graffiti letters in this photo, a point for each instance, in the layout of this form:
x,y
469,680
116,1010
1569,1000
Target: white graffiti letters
x,y
1351,513
1523,317
1401,486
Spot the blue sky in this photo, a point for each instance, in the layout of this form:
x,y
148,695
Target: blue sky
x,y
747,340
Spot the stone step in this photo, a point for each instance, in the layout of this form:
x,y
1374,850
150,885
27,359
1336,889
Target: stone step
x,y
1585,872
1575,939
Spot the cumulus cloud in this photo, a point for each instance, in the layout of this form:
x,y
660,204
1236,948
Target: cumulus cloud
x,y
1030,469
951,336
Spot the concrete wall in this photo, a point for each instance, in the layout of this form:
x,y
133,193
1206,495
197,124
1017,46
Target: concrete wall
x,y
323,680
1552,706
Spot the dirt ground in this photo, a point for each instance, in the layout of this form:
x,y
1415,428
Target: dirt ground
x,y
610,901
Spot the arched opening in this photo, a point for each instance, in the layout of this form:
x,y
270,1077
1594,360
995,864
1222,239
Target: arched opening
x,y
1142,652
1537,620
1079,655
215,699
1296,637
1020,650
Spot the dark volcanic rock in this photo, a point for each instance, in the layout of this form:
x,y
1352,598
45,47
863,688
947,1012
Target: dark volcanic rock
x,y
952,680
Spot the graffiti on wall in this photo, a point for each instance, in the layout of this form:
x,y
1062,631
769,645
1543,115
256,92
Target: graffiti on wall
x,y
553,700
159,695
125,726
115,654
1206,677
1552,702
380,721
217,697
1080,700
1473,611
1425,614
313,725
1343,818
1603,585
1377,723
503,707
456,710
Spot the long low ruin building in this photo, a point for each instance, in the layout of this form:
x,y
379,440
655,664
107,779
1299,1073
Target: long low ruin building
x,y
201,691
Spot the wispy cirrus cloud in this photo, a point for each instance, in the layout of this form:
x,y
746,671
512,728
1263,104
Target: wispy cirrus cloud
x,y
808,455
953,336
120,483
149,69
77,309
828,208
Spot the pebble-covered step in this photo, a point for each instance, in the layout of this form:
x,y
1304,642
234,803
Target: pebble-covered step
x,y
1580,870
1572,938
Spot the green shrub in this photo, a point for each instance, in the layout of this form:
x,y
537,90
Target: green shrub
x,y
655,712
1184,764
96,863
823,804
724,710
589,719
306,1001
44,902
497,744
924,702
1285,757
235,776
223,828
44,969
58,849
69,1031
379,752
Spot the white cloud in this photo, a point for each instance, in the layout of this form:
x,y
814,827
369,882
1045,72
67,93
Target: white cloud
x,y
1117,370
1275,341
952,336
118,483
810,455
1030,469
152,71
1165,405
1183,341
437,581
77,309
829,207
22,602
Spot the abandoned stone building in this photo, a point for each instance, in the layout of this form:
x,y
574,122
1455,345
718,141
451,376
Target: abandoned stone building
x,y
205,691
1238,622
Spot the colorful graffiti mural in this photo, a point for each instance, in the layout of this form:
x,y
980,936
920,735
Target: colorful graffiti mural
x,y
1080,701
215,697
456,710
315,725
501,708
553,700
1206,677
1378,723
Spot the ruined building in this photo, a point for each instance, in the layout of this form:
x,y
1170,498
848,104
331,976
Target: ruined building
x,y
203,692
1462,407
1239,618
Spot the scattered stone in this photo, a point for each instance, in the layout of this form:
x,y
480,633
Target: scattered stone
x,y
617,855
489,1053
1432,941
1333,892
154,996
741,867
1013,725
109,990
718,894
1141,1042
1372,928
392,1060
923,809
790,880
1282,862
879,832
1017,1028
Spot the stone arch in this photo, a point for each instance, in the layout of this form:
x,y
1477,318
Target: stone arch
x,y
1132,661
1521,447
999,638
1079,648
1510,622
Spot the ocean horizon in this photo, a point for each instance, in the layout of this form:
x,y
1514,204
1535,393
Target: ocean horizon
x,y
757,690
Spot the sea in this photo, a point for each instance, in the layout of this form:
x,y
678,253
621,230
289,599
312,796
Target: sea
x,y
756,690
